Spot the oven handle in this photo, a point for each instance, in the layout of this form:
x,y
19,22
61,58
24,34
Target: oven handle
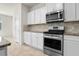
x,y
55,20
57,38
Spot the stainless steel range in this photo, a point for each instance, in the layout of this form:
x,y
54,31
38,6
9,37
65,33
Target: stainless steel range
x,y
53,42
54,38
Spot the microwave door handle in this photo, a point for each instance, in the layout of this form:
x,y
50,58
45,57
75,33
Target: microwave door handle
x,y
58,15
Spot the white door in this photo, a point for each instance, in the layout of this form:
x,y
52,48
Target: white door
x,y
71,48
43,12
69,11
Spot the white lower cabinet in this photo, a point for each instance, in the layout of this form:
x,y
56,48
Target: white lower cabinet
x,y
69,12
37,40
40,41
34,39
71,47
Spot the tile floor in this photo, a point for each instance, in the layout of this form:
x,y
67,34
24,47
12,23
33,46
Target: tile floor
x,y
24,50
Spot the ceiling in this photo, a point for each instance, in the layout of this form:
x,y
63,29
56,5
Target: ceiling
x,y
30,4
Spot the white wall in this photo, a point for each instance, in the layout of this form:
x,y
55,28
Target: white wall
x,y
20,19
38,6
14,10
7,8
17,32
7,26
24,11
19,13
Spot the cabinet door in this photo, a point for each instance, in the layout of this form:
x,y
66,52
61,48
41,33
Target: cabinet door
x,y
71,48
32,16
59,6
37,16
69,11
51,7
34,40
27,38
28,18
43,12
40,41
77,11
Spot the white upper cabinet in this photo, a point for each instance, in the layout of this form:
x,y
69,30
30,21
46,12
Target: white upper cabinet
x,y
40,15
69,12
28,18
54,6
77,11
37,16
31,16
51,7
43,12
59,6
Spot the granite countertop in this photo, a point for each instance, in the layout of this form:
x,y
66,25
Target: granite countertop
x,y
71,34
4,43
36,31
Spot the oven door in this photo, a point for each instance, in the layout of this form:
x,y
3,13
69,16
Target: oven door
x,y
53,44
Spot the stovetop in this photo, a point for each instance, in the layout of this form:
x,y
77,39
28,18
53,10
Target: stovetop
x,y
57,32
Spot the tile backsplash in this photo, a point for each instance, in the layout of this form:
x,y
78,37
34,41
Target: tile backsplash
x,y
37,28
72,28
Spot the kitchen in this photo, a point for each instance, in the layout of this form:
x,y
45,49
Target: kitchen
x,y
39,23
51,28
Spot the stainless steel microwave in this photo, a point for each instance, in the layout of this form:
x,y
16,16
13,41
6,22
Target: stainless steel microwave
x,y
55,16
